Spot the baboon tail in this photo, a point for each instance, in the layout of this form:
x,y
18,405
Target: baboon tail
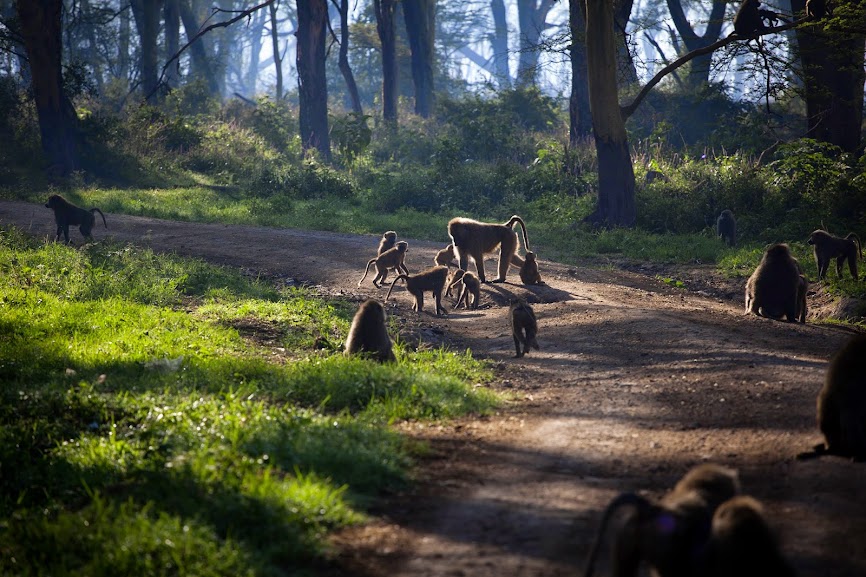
x,y
92,210
855,238
621,500
393,284
522,224
366,270
534,344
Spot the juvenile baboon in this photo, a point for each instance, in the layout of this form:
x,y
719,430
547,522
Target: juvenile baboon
x,y
667,535
390,259
445,257
389,239
66,213
774,288
726,227
432,280
469,285
842,404
827,247
742,544
529,271
369,333
473,239
524,327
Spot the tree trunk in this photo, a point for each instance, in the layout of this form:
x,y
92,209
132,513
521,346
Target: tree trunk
x,y
312,80
93,56
580,119
201,64
41,29
385,27
616,205
252,74
420,27
146,14
532,19
699,69
499,43
833,77
124,33
345,68
171,16
275,43
625,64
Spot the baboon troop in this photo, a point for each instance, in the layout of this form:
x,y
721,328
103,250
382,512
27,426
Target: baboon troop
x,y
473,239
529,271
774,290
726,227
66,214
469,286
827,247
523,326
432,280
390,259
369,332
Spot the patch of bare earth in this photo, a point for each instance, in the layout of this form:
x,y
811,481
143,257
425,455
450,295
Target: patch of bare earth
x,y
635,382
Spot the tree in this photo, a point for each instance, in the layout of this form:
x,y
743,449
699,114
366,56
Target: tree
x,y
200,61
580,119
532,18
146,15
41,29
420,25
312,80
499,43
275,43
387,38
699,72
171,16
345,68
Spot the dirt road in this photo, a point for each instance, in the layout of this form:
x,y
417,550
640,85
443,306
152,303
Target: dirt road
x,y
635,382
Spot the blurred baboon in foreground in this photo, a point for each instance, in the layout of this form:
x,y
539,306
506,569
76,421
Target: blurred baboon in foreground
x,y
529,271
773,290
473,239
842,404
66,214
827,247
432,280
445,257
667,535
390,259
389,239
369,332
726,227
524,327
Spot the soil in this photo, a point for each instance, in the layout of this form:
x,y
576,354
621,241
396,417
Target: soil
x,y
636,381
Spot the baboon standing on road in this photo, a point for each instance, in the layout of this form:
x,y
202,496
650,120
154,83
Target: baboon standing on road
x,y
524,327
432,280
473,239
66,214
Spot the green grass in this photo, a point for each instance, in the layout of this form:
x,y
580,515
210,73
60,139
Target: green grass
x,y
141,433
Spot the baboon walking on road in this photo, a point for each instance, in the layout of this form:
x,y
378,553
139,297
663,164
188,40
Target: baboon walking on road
x,y
432,280
66,214
390,259
524,327
473,239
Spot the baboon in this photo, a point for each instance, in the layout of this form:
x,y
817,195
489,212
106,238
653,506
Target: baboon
x,y
748,18
774,288
453,279
529,271
817,9
802,289
726,227
667,535
827,247
432,279
369,333
66,213
473,239
445,257
470,285
523,326
842,404
389,239
742,544
390,259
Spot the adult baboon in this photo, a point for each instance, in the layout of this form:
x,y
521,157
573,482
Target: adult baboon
x,y
742,544
432,280
842,404
726,227
817,9
773,290
369,333
389,239
529,271
66,213
390,259
445,257
473,239
827,247
667,535
524,327
469,285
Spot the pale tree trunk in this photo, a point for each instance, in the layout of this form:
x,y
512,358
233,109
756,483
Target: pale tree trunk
x,y
124,33
171,16
580,119
146,14
385,27
627,71
312,80
275,43
616,205
699,71
345,68
201,62
420,27
499,43
252,74
532,18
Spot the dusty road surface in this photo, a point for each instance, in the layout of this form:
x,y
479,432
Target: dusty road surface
x,y
635,383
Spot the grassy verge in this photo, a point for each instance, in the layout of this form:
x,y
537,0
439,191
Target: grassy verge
x,y
142,434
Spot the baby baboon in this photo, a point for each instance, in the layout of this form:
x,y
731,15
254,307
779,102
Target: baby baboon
x,y
742,543
667,535
842,403
529,271
469,285
389,239
827,247
726,227
369,333
445,257
773,290
473,239
432,280
66,213
523,326
390,259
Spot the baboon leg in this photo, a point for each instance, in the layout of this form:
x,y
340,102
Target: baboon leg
x,y
517,345
852,264
822,268
506,251
437,296
840,262
402,268
479,265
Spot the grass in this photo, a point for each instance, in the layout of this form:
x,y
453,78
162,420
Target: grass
x,y
141,433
